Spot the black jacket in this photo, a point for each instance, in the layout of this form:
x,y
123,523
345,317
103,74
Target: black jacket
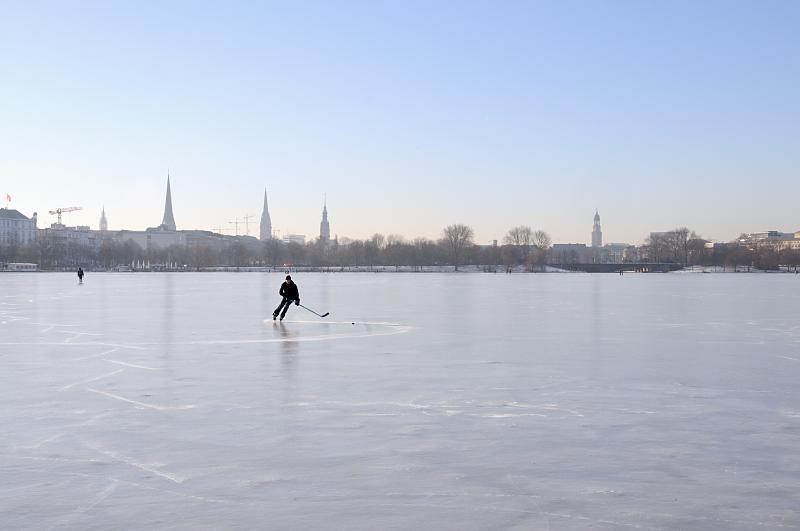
x,y
289,290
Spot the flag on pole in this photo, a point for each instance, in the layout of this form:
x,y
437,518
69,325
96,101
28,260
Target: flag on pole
x,y
8,198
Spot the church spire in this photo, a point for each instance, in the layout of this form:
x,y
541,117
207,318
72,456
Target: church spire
x,y
266,222
168,222
103,220
324,226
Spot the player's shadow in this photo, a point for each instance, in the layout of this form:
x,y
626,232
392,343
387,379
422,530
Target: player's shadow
x,y
289,346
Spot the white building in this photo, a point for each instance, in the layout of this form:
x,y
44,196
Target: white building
x,y
776,239
16,228
152,238
570,253
19,267
614,253
295,238
80,235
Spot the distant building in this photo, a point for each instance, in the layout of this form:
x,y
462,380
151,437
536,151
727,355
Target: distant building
x,y
80,235
168,223
295,238
18,267
579,253
631,254
103,221
154,238
16,228
266,222
324,226
768,236
772,238
597,234
613,253
570,253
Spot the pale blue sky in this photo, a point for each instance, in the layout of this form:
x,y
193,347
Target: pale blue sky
x,y
409,115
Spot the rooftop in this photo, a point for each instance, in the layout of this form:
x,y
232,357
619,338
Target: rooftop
x,y
10,213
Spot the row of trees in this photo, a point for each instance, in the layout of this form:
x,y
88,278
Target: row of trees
x,y
521,246
456,247
733,256
680,246
683,246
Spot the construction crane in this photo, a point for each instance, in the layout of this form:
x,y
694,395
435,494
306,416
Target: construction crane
x,y
64,210
247,219
236,224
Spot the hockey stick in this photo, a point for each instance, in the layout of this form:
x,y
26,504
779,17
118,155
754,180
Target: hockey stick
x,y
326,314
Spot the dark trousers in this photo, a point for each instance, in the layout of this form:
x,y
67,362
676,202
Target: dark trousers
x,y
285,303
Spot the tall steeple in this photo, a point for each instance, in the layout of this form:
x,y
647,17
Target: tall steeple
x,y
103,220
597,234
324,226
168,222
266,222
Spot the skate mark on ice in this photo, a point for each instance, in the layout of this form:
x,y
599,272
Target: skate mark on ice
x,y
186,495
86,344
510,415
76,335
298,339
42,442
146,467
133,365
53,459
141,404
580,518
90,380
328,323
102,495
98,355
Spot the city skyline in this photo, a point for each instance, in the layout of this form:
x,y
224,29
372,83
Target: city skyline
x,y
168,223
660,116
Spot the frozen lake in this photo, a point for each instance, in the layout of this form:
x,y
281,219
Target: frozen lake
x,y
474,401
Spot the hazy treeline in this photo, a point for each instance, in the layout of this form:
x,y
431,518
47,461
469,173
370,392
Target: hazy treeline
x,y
683,246
521,246
455,247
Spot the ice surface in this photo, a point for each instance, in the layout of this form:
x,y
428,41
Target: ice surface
x,y
456,401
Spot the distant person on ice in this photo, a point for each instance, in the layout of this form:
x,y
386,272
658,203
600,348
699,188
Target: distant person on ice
x,y
80,275
290,295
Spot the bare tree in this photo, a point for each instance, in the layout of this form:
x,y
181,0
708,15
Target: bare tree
x,y
273,252
542,240
541,243
697,252
508,255
520,239
521,236
395,239
679,242
657,247
378,240
792,258
425,252
457,239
